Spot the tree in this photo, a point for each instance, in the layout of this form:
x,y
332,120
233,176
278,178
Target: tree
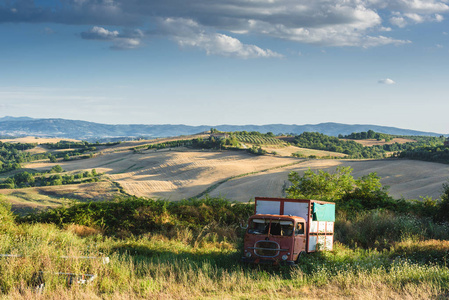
x,y
322,185
443,212
57,169
339,186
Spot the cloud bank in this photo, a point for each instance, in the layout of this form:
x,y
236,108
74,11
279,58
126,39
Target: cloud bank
x,y
216,26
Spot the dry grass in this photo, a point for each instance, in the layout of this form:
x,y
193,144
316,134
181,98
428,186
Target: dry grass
x,y
289,150
83,231
374,142
38,140
28,199
406,178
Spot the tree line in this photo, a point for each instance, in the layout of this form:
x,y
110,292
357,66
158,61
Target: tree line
x,y
26,179
423,147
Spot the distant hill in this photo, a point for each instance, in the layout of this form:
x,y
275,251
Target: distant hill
x,y
62,128
8,118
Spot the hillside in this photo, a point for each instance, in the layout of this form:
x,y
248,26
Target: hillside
x,y
91,131
181,173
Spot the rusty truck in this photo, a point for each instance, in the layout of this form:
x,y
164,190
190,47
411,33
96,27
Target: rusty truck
x,y
281,230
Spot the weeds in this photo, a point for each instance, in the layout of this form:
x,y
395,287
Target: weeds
x,y
185,251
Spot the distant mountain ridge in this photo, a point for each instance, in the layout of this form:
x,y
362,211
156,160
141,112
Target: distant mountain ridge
x,y
83,130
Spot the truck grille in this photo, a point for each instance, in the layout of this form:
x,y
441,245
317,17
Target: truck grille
x,y
266,248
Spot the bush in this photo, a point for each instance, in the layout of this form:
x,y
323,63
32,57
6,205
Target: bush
x,y
382,229
7,222
134,215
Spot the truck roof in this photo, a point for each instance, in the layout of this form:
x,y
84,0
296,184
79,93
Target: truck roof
x,y
295,218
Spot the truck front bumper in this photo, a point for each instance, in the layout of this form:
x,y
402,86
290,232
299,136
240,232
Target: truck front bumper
x,y
265,261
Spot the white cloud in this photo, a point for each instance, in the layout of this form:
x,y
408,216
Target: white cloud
x,y
121,41
386,81
359,23
402,20
99,33
398,21
439,18
125,43
188,33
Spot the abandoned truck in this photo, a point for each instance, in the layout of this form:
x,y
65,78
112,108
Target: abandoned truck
x,y
281,230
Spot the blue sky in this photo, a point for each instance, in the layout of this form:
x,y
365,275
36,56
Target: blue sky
x,y
227,62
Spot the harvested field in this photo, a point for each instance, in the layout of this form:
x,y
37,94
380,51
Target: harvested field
x,y
27,199
182,173
406,178
289,150
37,140
374,142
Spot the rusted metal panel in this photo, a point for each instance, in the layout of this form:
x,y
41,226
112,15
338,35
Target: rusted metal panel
x,y
271,212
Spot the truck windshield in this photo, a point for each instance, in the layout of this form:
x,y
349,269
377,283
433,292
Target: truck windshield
x,y
278,227
259,226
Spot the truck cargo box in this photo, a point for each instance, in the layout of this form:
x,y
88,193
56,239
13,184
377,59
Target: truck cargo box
x,y
319,217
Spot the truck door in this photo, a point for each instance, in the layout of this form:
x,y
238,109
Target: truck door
x,y
300,239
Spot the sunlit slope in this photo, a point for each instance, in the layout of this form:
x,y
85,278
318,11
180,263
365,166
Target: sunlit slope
x,y
171,174
28,199
406,178
182,173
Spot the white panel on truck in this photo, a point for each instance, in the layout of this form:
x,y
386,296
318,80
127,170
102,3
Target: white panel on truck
x,y
299,209
268,207
329,242
321,242
330,227
322,226
312,242
314,226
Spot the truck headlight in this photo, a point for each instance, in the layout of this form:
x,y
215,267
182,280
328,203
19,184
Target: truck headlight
x,y
284,257
248,254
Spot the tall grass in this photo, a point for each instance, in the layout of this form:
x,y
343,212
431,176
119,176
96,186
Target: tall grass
x,y
196,262
382,229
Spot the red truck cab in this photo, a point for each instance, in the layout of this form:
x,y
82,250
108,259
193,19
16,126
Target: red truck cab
x,y
282,229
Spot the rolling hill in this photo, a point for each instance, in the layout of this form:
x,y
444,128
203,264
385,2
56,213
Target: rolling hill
x,y
181,173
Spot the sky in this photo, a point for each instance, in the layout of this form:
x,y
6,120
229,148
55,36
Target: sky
x,y
204,62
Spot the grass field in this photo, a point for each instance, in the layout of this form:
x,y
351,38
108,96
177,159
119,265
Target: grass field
x,y
28,199
202,262
406,178
374,142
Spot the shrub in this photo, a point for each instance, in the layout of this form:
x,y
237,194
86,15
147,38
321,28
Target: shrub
x,y
7,222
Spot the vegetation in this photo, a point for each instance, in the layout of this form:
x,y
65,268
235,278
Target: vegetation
x,y
370,134
13,154
78,145
436,154
256,138
366,193
315,140
25,179
133,216
190,249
